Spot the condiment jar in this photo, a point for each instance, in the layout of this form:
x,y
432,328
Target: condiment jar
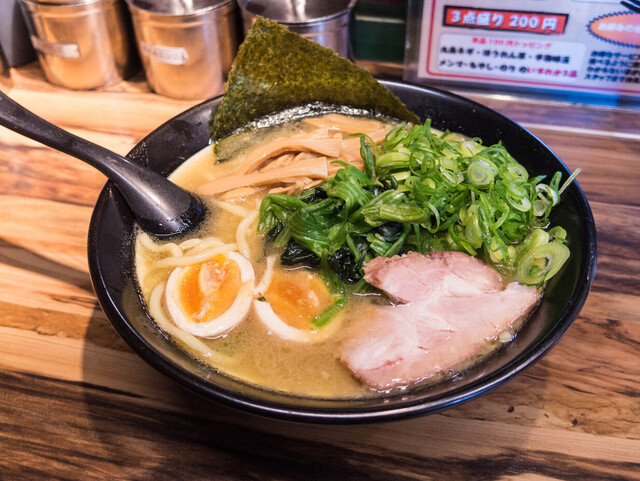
x,y
326,22
81,44
186,46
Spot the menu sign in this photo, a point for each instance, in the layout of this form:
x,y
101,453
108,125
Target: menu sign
x,y
494,19
567,45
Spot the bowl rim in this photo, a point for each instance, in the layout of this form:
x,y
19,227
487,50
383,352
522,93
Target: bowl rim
x,y
353,415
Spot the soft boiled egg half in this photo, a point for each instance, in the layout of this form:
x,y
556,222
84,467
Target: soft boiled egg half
x,y
209,299
290,303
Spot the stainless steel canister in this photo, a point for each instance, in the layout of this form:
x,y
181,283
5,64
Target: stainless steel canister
x,y
82,44
187,46
326,22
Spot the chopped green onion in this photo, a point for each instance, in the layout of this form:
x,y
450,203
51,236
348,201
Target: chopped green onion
x,y
523,204
480,172
546,192
402,213
558,233
518,171
538,264
424,191
540,207
391,161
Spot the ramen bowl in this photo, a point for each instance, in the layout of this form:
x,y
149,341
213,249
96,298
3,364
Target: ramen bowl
x,y
112,273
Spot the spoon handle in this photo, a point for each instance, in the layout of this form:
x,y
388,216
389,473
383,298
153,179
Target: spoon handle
x,y
160,206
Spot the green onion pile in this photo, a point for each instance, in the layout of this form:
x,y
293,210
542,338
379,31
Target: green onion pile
x,y
423,191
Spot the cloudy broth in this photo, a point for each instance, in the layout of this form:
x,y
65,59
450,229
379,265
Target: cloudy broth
x,y
250,351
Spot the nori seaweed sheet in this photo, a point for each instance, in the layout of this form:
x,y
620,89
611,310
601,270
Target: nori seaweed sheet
x,y
277,69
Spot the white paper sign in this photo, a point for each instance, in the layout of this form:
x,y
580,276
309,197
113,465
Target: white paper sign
x,y
562,45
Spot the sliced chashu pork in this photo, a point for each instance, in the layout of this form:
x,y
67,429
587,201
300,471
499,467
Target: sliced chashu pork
x,y
415,276
454,305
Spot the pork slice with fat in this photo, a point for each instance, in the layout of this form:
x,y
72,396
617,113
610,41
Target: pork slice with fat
x,y
452,320
414,276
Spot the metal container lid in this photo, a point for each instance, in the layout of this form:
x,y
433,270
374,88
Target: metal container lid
x,y
177,7
293,12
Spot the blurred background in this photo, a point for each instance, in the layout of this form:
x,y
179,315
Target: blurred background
x,y
584,51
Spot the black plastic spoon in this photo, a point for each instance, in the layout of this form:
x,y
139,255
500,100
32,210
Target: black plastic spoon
x,y
159,206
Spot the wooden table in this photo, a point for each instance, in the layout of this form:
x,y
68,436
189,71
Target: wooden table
x,y
77,403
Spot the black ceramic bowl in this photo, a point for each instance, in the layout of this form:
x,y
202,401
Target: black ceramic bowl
x,y
111,266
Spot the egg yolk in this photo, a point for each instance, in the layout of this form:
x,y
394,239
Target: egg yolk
x,y
296,297
209,289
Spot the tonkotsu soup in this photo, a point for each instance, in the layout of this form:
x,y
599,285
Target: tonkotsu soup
x,y
250,351
325,269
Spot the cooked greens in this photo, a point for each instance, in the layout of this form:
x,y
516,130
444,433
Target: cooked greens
x,y
276,69
423,191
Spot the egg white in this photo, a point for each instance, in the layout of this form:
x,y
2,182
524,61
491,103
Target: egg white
x,y
277,326
225,321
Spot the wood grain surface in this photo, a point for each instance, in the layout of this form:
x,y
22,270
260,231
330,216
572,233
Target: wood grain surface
x,y
77,404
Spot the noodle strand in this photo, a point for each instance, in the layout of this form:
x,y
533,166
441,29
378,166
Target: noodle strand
x,y
203,244
147,242
204,256
265,282
241,233
233,209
